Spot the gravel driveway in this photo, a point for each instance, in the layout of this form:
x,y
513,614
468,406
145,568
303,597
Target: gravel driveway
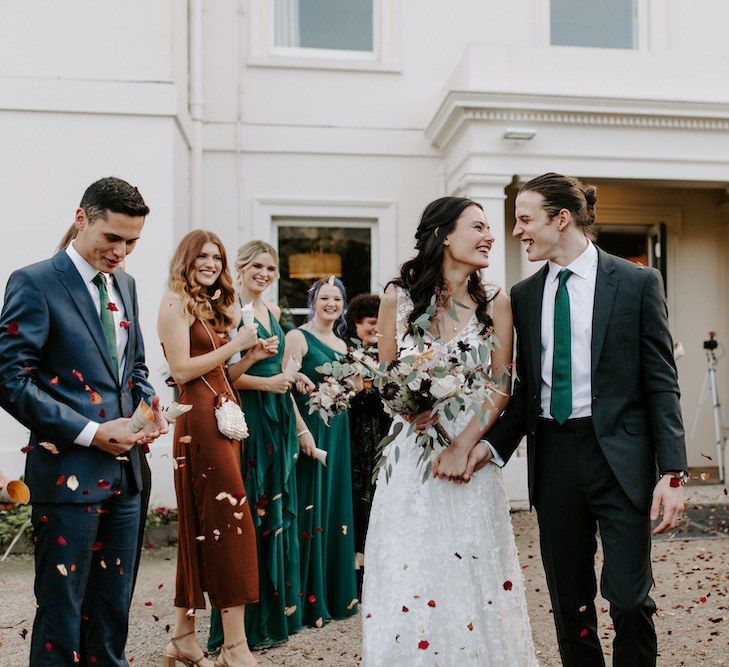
x,y
692,593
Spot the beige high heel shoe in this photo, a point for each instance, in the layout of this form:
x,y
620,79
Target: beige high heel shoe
x,y
169,660
222,661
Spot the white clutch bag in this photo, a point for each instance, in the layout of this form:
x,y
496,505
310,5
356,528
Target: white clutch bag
x,y
230,418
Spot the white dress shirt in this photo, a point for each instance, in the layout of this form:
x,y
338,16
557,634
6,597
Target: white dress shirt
x,y
88,273
581,291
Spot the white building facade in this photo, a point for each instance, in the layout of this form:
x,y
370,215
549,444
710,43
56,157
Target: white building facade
x,y
326,126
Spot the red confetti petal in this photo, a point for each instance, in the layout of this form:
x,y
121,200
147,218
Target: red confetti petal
x,y
102,413
431,603
307,536
112,307
405,610
262,502
77,375
97,546
239,494
312,599
62,540
93,659
61,480
48,646
27,449
95,397
43,518
148,603
103,484
13,328
125,324
508,585
584,632
422,645
130,384
54,380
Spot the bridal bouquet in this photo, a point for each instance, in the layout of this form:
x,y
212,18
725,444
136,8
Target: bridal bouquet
x,y
332,396
427,376
422,379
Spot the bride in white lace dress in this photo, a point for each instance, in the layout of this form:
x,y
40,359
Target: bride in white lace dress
x,y
443,584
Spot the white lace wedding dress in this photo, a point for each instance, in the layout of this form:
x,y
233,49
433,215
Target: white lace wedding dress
x,y
442,584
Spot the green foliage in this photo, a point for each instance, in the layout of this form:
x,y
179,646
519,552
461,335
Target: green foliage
x,y
11,522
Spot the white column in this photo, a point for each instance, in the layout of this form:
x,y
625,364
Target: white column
x,y
489,191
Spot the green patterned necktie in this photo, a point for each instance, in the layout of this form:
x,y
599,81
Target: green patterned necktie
x,y
107,319
560,406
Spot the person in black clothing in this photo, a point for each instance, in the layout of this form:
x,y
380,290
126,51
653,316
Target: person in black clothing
x,y
368,422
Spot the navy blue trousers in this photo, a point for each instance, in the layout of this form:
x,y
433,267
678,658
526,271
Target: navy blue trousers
x,y
85,559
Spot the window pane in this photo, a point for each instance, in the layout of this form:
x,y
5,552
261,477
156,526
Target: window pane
x,y
593,23
325,24
308,253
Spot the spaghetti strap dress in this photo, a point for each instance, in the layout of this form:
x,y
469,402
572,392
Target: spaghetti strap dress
x,y
269,471
216,551
326,517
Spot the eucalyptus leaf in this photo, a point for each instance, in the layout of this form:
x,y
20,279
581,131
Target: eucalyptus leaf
x,y
426,474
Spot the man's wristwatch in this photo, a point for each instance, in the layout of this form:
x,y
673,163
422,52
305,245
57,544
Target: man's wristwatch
x,y
678,477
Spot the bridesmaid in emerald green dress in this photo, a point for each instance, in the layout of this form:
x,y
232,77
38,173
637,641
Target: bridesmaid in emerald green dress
x,y
269,465
326,517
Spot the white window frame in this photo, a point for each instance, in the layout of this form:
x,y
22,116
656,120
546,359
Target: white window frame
x,y
650,28
379,217
384,57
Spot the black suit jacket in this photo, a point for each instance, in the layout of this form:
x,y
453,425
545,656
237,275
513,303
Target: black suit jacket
x,y
56,374
635,395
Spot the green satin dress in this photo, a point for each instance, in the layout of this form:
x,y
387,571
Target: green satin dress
x,y
269,472
326,517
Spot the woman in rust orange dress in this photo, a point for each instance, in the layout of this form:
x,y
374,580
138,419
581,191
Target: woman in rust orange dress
x,y
217,547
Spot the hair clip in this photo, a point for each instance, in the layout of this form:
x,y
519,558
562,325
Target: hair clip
x,y
331,280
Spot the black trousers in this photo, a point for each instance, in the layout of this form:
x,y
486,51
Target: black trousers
x,y
575,493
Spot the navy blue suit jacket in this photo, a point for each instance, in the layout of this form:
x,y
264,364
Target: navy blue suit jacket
x,y
56,374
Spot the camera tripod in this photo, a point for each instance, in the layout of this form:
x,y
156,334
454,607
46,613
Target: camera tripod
x,y
710,347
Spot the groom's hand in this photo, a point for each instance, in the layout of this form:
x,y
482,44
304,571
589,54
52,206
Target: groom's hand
x,y
478,458
671,500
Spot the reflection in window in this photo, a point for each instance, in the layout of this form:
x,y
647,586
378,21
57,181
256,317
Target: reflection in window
x,y
324,24
600,23
307,253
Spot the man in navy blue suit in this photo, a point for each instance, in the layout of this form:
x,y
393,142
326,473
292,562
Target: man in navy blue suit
x,y
72,371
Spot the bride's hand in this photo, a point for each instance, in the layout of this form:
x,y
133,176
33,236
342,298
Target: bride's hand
x,y
452,461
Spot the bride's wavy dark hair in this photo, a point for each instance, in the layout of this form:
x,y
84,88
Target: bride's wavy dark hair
x,y
422,276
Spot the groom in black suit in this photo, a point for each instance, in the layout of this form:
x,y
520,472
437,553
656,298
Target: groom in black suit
x,y
597,396
72,371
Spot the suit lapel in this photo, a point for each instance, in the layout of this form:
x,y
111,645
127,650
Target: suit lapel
x,y
79,293
606,286
123,284
534,321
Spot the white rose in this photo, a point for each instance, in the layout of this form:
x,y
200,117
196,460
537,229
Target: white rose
x,y
445,386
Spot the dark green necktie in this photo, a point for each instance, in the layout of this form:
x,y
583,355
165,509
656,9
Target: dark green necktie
x,y
560,406
107,319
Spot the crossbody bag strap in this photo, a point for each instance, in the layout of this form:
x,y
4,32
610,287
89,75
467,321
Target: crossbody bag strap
x,y
233,392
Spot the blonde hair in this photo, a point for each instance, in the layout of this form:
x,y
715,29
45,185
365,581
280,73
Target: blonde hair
x,y
197,299
249,251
